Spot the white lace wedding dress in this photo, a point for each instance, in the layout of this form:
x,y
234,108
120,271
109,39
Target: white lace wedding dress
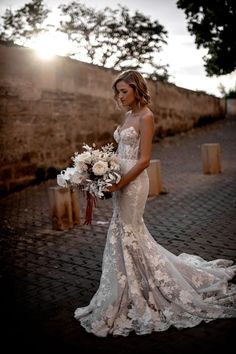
x,y
143,286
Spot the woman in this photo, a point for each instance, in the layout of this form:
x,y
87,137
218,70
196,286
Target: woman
x,y
144,287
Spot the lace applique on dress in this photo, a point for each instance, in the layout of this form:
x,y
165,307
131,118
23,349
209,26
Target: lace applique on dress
x,y
128,143
143,286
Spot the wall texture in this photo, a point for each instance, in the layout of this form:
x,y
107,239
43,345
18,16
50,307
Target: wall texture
x,y
49,108
231,106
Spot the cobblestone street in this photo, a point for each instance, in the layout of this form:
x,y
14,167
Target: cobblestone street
x,y
46,274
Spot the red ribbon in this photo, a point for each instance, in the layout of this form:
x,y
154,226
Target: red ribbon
x,y
91,202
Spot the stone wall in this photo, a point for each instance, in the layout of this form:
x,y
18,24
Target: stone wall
x,y
231,107
49,108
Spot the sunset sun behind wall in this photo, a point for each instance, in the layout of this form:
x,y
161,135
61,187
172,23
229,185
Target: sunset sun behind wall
x,y
49,44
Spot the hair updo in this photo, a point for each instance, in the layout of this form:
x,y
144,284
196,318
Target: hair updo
x,y
135,80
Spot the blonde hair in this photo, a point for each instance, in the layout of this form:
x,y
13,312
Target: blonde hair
x,y
135,80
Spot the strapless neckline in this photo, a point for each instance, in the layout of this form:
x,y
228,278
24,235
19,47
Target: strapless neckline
x,y
122,130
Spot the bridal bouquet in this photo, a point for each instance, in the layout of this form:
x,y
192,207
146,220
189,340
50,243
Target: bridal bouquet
x,y
93,171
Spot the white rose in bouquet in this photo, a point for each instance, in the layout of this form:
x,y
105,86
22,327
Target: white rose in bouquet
x,y
78,178
100,168
114,165
81,167
84,157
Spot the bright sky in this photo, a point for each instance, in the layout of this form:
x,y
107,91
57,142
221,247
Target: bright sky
x,y
185,61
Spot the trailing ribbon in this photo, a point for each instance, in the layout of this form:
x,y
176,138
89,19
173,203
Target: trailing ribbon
x,y
91,202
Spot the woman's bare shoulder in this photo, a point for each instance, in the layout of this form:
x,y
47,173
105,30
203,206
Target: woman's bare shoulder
x,y
147,117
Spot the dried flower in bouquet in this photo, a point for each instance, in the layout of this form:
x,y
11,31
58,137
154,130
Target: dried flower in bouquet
x,y
93,171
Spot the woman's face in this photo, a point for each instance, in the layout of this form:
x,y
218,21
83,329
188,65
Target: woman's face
x,y
125,94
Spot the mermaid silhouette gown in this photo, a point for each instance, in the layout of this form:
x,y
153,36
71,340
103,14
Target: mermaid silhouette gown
x,y
143,286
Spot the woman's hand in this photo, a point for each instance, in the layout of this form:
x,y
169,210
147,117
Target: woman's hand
x,y
113,188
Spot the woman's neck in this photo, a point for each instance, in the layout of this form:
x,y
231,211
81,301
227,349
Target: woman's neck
x,y
134,110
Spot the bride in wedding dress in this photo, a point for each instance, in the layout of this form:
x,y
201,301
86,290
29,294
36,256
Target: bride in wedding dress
x,y
143,286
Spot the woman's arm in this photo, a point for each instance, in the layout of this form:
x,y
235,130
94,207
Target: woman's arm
x,y
146,136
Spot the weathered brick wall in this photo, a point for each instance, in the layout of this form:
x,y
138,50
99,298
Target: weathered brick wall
x,y
49,108
177,109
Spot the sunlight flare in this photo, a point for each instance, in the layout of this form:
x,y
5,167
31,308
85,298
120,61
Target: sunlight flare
x,y
47,45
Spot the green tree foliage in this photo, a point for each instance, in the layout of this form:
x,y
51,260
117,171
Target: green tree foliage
x,y
231,93
25,22
115,38
110,38
213,23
